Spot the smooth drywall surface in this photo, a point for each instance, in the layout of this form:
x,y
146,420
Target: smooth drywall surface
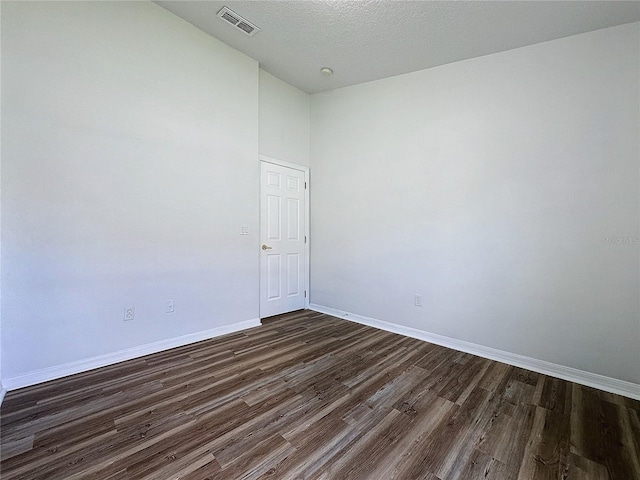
x,y
284,121
503,189
129,164
1,387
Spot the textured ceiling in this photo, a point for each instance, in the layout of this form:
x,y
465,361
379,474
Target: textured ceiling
x,y
370,39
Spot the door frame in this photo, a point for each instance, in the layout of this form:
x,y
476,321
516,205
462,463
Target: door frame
x,y
307,230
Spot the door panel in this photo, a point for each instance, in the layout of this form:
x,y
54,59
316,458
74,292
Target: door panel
x,y
273,217
273,277
293,277
293,219
282,265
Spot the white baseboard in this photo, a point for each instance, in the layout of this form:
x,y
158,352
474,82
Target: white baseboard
x,y
608,384
59,371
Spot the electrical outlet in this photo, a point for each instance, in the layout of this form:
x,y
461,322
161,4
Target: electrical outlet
x,y
170,306
129,313
417,300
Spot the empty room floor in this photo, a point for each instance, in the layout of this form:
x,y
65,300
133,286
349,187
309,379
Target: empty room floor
x,y
313,396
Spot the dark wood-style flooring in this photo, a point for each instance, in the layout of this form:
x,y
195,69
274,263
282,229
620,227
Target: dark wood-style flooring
x,y
312,396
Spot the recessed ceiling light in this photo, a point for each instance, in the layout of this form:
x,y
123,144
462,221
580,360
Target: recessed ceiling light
x,y
326,71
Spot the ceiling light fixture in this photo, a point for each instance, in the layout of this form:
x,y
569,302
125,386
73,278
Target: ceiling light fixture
x,y
326,71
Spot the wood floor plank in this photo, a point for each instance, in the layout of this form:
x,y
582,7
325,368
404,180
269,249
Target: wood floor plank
x,y
482,466
311,396
547,450
16,447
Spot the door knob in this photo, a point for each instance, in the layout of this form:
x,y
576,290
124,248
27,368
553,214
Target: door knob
x,y
264,247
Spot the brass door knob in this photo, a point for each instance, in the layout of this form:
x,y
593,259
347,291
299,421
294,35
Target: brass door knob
x,y
264,247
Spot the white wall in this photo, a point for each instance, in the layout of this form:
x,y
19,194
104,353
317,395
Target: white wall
x,y
1,386
488,186
284,121
129,163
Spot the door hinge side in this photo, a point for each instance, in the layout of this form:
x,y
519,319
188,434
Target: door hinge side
x,y
305,239
305,185
305,294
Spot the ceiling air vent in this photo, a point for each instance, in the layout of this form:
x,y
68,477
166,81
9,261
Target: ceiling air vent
x,y
237,21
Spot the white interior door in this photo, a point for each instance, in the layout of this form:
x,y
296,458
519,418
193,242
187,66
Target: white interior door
x,y
282,234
